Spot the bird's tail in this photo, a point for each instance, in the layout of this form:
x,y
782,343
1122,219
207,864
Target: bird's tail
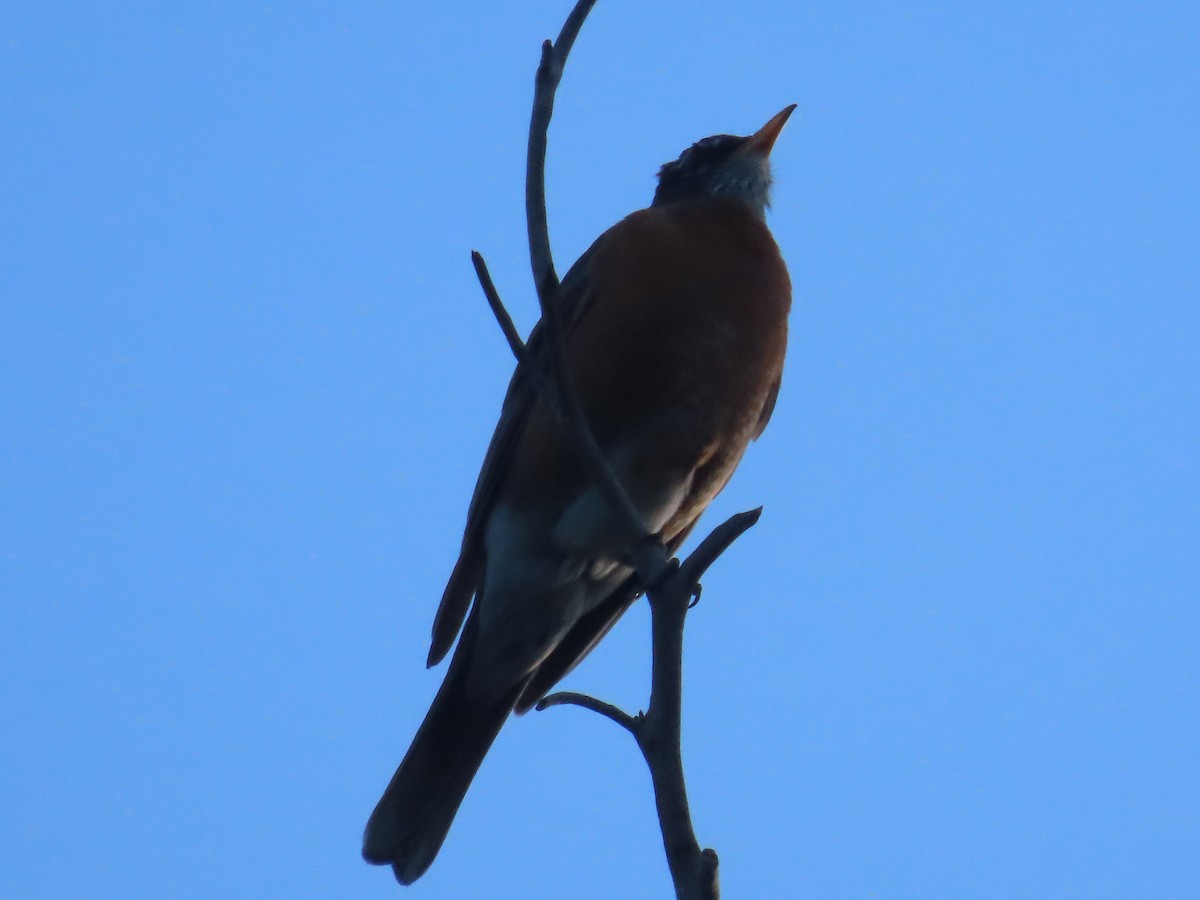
x,y
411,820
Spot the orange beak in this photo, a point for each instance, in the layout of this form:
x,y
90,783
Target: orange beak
x,y
764,139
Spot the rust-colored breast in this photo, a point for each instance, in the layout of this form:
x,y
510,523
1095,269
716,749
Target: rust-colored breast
x,y
681,343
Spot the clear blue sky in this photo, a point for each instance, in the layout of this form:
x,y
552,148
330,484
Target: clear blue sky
x,y
249,378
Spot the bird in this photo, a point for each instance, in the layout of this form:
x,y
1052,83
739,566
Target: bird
x,y
675,331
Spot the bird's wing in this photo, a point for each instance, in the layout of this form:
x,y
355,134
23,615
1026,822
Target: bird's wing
x,y
586,634
574,297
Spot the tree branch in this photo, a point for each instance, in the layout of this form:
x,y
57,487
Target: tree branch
x,y
718,541
525,361
505,321
693,870
571,698
549,74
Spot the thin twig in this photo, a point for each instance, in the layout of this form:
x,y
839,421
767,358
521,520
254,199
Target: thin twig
x,y
525,360
717,542
520,351
541,259
608,710
554,58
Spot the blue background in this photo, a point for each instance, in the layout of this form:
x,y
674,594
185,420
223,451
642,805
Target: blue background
x,y
248,381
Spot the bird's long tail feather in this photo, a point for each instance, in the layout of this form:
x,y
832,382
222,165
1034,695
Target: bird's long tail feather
x,y
411,820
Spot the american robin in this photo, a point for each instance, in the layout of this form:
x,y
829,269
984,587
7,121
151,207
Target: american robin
x,y
676,328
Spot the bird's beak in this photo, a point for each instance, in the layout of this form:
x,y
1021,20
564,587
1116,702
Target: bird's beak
x,y
764,139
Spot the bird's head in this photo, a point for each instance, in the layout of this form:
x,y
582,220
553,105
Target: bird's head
x,y
724,165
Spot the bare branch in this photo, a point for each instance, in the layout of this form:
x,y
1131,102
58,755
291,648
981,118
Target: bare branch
x,y
718,541
525,361
571,27
505,321
648,559
571,698
554,58
549,73
694,871
660,737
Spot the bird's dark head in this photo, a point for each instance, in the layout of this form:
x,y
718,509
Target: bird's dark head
x,y
724,165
